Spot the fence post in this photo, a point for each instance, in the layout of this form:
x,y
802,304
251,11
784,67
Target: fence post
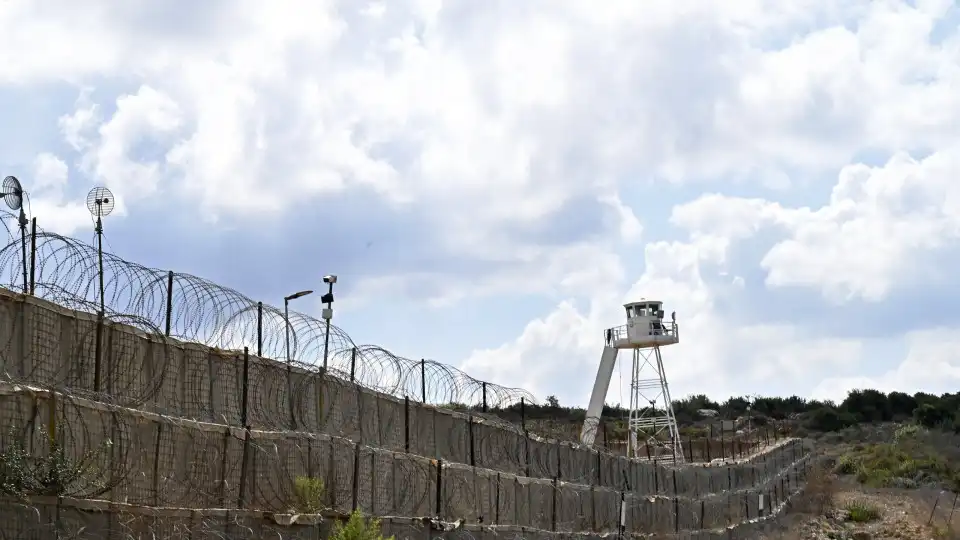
x,y
353,364
169,303
260,330
483,386
423,381
676,514
223,468
356,477
675,493
33,255
702,514
723,443
526,453
470,437
496,503
622,517
244,386
708,444
439,502
523,414
242,488
406,424
556,499
599,467
244,420
690,449
156,465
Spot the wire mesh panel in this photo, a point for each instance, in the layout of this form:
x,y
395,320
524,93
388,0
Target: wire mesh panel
x,y
127,413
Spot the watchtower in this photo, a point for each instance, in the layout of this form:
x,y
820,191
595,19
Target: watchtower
x,y
652,426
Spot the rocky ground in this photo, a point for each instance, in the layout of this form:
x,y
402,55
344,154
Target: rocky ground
x,y
853,512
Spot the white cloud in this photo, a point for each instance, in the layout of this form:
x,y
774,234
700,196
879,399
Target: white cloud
x,y
529,138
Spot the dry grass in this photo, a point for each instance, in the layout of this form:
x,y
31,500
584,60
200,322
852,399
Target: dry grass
x,y
943,515
819,494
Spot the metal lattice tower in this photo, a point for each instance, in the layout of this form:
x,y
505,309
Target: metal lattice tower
x,y
652,426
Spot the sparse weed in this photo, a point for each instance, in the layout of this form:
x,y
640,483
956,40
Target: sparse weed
x,y
862,512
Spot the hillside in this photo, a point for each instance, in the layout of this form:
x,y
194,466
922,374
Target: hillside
x,y
794,415
881,481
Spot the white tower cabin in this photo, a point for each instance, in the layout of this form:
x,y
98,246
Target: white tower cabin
x,y
652,427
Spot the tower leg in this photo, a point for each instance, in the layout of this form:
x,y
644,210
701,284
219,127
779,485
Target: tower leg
x,y
652,425
608,361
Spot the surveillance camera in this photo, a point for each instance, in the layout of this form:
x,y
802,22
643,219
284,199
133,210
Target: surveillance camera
x,y
330,279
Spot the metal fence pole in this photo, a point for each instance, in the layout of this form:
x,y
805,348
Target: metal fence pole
x,y
169,315
423,381
33,255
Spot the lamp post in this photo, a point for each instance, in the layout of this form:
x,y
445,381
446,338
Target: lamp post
x,y
286,326
327,314
286,318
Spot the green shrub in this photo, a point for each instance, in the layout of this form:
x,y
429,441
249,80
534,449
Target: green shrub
x,y
24,473
358,528
309,493
862,512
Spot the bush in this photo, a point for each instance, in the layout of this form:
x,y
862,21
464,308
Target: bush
x,y
24,474
862,512
909,462
309,493
830,419
358,528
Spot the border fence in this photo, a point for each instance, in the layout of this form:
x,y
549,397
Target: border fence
x,y
154,419
189,308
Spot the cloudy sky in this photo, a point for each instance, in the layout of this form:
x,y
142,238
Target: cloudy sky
x,y
492,180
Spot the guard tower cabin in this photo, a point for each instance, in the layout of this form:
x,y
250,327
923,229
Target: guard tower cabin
x,y
645,327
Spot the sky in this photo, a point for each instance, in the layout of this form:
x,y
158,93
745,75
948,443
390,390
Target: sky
x,y
491,181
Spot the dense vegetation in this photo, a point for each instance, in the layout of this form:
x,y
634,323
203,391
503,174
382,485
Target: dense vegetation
x,y
860,406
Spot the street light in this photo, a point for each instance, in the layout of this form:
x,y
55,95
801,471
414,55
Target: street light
x,y
327,314
286,325
286,318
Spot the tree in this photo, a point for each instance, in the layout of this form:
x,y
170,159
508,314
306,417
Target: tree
x,y
933,416
553,402
830,419
901,404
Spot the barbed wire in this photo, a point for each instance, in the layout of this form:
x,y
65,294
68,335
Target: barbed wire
x,y
65,446
66,270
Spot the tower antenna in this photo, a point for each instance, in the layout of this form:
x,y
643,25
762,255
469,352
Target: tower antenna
x,y
12,193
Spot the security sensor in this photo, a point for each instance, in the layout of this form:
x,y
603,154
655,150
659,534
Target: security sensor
x,y
330,279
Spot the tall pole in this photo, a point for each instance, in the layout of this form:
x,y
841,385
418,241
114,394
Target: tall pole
x,y
326,334
287,351
23,246
33,255
99,231
100,315
286,326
